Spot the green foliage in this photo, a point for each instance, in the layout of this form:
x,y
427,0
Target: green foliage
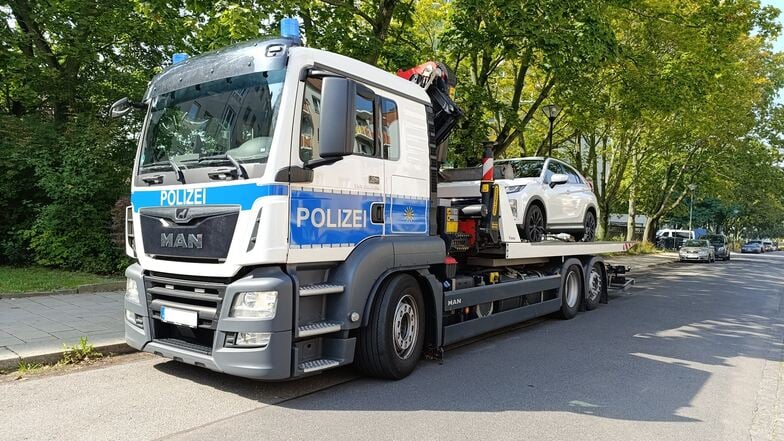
x,y
655,95
27,367
39,279
80,352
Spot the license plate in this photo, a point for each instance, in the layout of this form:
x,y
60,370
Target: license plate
x,y
179,316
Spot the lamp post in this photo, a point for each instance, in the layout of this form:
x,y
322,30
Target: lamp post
x,y
691,202
551,111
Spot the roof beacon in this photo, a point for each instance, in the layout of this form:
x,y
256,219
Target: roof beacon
x,y
289,28
178,57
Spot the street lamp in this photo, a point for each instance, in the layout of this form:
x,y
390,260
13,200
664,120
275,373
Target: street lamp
x,y
691,202
551,111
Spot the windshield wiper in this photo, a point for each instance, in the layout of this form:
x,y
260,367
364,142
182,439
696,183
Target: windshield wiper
x,y
239,167
178,170
168,163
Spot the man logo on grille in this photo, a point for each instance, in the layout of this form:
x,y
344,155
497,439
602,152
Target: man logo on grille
x,y
181,213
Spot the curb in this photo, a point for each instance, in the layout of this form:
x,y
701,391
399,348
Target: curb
x,y
81,289
9,361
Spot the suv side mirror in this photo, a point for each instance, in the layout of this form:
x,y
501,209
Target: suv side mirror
x,y
558,179
120,107
336,131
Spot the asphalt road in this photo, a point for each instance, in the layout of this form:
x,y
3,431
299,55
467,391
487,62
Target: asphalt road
x,y
693,352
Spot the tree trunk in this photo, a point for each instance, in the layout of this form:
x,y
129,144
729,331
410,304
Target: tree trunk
x,y
632,212
646,234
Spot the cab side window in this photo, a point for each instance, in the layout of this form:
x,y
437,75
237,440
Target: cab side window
x,y
390,136
309,123
365,130
370,111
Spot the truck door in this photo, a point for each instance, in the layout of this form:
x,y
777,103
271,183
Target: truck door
x,y
405,150
343,204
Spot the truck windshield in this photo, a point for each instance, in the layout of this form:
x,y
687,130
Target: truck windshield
x,y
200,125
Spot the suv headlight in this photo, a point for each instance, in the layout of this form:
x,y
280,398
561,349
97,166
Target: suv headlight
x,y
255,304
514,188
132,291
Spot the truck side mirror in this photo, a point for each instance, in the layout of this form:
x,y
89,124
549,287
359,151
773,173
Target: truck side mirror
x,y
336,131
558,179
120,107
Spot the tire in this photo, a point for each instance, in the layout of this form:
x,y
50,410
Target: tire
x,y
534,224
572,284
589,228
594,286
391,344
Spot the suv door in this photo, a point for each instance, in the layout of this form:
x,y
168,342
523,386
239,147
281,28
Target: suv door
x,y
578,193
556,198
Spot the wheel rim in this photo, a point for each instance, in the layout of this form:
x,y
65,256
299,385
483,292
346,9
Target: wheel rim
x,y
535,225
406,326
590,227
594,285
572,287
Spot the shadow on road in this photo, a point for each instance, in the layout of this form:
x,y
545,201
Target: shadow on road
x,y
644,357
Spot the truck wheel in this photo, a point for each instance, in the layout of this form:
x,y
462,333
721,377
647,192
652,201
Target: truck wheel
x,y
533,224
571,289
391,344
594,286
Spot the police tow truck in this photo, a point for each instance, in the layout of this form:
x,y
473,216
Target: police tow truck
x,y
285,219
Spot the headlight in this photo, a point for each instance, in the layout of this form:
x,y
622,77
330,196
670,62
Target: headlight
x,y
514,188
255,304
132,291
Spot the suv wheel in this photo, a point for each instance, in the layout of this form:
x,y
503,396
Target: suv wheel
x,y
533,224
589,228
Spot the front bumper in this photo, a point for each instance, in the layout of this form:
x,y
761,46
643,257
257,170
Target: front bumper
x,y
272,362
693,257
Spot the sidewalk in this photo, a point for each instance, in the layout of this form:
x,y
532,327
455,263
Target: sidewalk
x,y
642,261
34,329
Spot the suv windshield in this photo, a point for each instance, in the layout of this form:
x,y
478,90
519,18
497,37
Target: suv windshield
x,y
525,168
200,125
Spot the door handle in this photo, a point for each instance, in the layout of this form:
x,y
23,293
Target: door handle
x,y
377,212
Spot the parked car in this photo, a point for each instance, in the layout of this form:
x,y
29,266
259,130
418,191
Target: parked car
x,y
719,243
753,246
685,234
672,239
768,245
547,196
697,249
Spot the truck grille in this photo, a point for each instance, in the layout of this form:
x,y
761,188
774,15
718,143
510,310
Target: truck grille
x,y
203,296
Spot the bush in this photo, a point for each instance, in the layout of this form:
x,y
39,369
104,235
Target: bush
x,y
63,182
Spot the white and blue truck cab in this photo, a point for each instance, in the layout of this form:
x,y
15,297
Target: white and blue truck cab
x,y
285,219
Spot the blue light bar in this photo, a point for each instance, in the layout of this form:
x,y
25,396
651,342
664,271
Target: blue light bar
x,y
289,28
178,57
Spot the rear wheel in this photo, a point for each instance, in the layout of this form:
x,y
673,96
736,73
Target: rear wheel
x,y
588,234
533,224
594,286
571,290
390,346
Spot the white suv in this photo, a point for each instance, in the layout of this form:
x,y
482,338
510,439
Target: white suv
x,y
549,196
546,196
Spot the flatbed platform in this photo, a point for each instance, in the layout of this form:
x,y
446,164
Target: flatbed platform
x,y
556,248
